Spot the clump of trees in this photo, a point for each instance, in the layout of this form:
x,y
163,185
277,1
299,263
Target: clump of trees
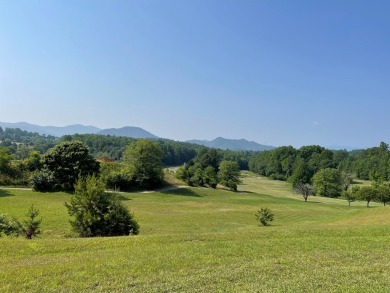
x,y
63,165
328,182
229,174
98,213
141,167
378,193
208,169
202,170
17,172
300,165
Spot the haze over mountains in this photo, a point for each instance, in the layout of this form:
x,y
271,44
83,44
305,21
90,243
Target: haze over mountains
x,y
135,132
59,131
232,144
52,130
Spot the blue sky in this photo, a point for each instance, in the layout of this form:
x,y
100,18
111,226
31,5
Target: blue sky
x,y
277,72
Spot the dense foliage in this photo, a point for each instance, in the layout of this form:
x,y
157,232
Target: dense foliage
x,y
16,140
97,213
328,182
143,160
113,147
208,169
21,159
17,172
229,174
62,166
300,165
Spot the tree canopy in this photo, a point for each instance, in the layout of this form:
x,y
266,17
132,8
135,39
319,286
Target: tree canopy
x,y
328,182
63,165
229,174
143,161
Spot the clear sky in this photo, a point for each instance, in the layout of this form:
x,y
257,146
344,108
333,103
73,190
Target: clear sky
x,y
279,72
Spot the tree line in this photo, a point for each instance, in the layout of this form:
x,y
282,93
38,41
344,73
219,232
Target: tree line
x,y
316,170
300,165
209,168
110,148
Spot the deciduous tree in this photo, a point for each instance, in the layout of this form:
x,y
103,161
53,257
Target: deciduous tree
x,y
304,189
367,193
383,193
229,174
144,162
328,182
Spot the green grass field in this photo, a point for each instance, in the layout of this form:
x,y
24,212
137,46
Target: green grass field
x,y
203,240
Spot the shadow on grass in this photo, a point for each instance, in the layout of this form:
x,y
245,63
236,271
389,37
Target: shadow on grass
x,y
182,192
122,198
245,192
4,193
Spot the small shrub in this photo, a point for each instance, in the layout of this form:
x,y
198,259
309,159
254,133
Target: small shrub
x,y
8,226
264,216
31,227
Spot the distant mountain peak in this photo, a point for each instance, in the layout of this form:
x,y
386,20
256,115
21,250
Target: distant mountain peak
x,y
128,131
232,144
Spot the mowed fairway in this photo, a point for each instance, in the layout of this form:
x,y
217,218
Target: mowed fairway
x,y
203,240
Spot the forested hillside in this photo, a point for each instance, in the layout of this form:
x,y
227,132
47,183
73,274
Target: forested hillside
x,y
17,140
282,163
288,163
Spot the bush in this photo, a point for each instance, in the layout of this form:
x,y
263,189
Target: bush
x,y
31,226
44,181
8,226
29,229
119,181
264,216
279,177
98,213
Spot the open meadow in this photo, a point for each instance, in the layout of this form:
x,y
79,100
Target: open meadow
x,y
204,240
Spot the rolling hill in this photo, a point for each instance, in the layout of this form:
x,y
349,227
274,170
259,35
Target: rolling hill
x,y
58,131
128,131
232,144
52,130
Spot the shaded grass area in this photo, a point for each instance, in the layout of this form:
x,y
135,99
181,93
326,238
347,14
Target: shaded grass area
x,y
203,240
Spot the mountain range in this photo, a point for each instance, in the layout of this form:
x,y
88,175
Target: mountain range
x,y
232,144
135,132
59,131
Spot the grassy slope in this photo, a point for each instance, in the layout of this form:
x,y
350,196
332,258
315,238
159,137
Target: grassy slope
x,y
201,240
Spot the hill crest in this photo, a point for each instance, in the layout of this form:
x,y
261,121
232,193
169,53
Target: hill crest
x,y
232,144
